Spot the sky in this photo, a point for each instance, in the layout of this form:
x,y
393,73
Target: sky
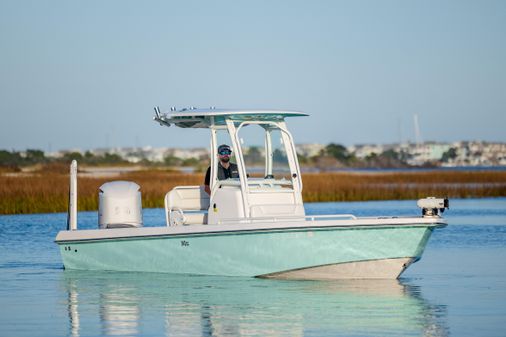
x,y
87,74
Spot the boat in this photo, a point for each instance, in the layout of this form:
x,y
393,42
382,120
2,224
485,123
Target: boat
x,y
250,225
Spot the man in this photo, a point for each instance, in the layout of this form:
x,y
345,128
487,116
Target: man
x,y
226,169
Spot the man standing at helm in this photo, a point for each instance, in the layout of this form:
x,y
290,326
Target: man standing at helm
x,y
226,169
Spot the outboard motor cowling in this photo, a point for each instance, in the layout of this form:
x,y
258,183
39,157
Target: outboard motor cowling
x,y
119,205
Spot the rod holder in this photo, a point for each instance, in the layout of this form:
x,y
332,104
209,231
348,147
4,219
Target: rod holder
x,y
72,215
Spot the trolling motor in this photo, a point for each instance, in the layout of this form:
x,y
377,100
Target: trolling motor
x,y
432,206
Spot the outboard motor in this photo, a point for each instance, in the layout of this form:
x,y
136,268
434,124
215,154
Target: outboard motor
x,y
119,205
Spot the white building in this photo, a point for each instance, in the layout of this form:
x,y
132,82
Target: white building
x,y
309,150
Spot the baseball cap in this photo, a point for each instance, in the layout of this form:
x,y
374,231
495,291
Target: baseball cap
x,y
224,149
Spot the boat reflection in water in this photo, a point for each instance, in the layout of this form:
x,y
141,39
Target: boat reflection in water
x,y
126,304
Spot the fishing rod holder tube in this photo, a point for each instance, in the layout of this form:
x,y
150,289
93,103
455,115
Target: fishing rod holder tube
x,y
72,211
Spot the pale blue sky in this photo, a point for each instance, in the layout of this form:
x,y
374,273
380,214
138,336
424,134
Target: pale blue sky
x,y
86,74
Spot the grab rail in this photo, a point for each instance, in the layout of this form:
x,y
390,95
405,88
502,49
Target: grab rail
x,y
287,218
331,216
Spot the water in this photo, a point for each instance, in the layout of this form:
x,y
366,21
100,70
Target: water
x,y
457,289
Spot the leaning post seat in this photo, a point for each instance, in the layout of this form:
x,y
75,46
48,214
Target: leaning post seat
x,y
186,205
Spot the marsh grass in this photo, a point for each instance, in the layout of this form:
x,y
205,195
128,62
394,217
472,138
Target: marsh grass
x,y
403,185
46,192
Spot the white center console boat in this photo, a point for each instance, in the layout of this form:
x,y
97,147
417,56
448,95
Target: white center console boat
x,y
251,225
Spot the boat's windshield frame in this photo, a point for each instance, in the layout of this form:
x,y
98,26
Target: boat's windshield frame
x,y
259,184
254,185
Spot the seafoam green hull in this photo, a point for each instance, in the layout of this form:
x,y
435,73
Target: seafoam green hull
x,y
246,253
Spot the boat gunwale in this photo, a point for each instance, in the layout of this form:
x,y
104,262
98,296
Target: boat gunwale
x,y
117,234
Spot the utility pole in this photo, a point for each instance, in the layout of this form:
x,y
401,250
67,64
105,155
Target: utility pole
x,y
418,135
418,138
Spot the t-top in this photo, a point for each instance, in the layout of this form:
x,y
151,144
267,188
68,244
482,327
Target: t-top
x,y
223,173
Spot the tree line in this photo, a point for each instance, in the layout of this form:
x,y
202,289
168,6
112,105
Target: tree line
x,y
331,156
30,157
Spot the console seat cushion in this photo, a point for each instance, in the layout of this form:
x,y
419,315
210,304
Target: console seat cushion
x,y
195,218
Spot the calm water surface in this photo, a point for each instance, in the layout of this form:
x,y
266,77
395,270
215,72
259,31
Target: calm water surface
x,y
457,289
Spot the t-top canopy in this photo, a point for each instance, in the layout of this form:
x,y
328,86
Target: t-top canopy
x,y
203,118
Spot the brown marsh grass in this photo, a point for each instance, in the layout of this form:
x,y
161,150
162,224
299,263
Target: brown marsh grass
x,y
46,192
351,186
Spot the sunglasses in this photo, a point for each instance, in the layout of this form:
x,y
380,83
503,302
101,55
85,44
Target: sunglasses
x,y
225,153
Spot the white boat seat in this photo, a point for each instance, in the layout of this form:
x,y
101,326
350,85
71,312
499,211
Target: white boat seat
x,y
195,218
186,205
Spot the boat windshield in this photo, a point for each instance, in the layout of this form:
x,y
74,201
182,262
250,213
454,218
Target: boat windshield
x,y
265,156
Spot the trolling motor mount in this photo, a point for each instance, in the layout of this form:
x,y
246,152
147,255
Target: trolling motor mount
x,y
432,206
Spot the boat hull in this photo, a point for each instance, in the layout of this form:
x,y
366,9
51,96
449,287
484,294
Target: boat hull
x,y
373,269
290,253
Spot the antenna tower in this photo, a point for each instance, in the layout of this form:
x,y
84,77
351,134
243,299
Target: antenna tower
x,y
418,135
